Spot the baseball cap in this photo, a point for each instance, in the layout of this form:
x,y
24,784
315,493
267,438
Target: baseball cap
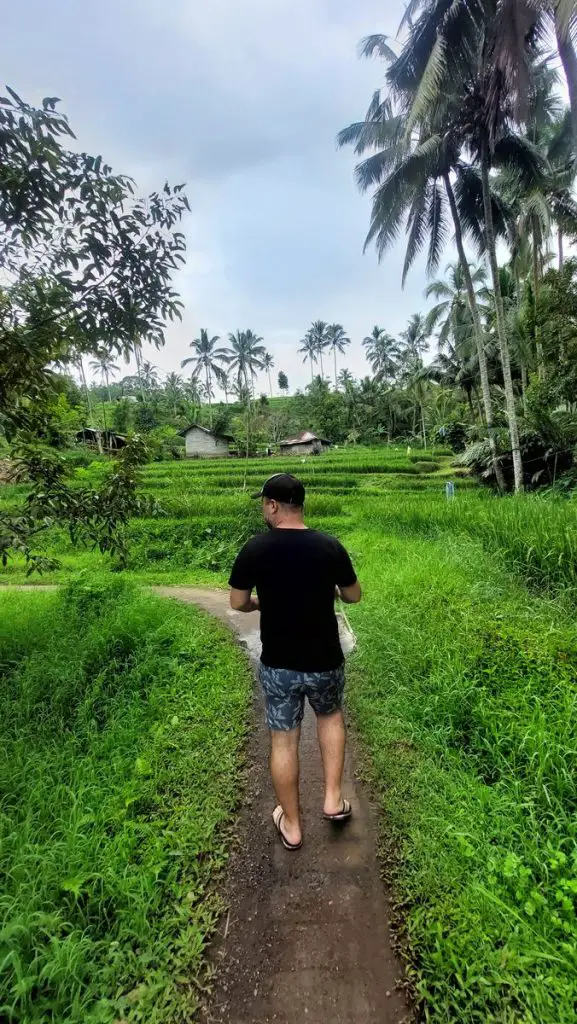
x,y
284,488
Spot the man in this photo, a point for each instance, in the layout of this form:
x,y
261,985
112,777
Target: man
x,y
297,572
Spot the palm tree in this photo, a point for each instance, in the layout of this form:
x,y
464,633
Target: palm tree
x,y
337,340
224,382
345,379
193,394
416,179
318,331
456,92
107,367
149,376
245,356
309,347
382,353
452,315
206,357
173,390
77,361
415,337
268,364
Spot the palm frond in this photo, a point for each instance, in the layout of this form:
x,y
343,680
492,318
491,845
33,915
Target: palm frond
x,y
417,222
437,227
429,83
377,45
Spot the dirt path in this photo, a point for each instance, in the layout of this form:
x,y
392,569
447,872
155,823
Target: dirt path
x,y
307,937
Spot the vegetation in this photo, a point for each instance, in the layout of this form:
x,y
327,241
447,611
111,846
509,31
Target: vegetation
x,y
123,717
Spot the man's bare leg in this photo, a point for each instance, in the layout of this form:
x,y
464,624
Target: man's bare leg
x,y
332,740
284,766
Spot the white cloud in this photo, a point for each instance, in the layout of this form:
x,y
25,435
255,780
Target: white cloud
x,y
242,99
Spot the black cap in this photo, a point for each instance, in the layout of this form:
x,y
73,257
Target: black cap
x,y
284,488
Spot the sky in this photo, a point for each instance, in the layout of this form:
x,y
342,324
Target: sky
x,y
242,100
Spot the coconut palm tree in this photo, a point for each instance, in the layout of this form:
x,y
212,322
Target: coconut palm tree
x,y
452,315
309,348
337,341
245,356
318,331
268,364
208,357
382,353
419,182
107,368
173,389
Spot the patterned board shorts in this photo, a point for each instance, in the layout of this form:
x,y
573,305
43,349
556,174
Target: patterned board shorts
x,y
285,691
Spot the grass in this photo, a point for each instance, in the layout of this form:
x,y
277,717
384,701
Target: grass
x,y
123,717
463,690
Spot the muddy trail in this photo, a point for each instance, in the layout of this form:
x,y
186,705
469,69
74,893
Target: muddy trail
x,y
307,935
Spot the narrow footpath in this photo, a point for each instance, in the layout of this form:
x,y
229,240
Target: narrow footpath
x,y
307,936
306,939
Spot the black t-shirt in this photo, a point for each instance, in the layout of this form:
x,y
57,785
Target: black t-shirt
x,y
295,573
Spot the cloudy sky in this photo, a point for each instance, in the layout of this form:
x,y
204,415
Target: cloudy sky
x,y
242,100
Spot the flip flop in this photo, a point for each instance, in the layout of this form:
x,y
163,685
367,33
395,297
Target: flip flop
x,y
343,815
277,817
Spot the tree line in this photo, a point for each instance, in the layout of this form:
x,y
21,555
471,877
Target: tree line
x,y
469,137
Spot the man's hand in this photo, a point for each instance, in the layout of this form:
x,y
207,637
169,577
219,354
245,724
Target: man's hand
x,y
350,595
241,601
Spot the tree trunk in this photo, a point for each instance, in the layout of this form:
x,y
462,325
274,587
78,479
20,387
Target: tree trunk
x,y
423,426
569,62
500,318
478,330
321,359
524,382
85,386
208,390
560,247
335,355
270,383
536,290
312,375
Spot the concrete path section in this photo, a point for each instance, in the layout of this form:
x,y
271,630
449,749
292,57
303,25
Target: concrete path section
x,y
307,935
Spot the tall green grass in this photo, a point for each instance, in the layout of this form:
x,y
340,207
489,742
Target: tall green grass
x,y
464,691
122,720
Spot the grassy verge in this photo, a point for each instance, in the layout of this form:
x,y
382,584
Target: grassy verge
x,y
464,693
123,718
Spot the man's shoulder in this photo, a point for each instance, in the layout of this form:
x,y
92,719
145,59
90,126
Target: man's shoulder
x,y
255,544
328,540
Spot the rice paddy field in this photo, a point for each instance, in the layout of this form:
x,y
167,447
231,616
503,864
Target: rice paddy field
x,y
463,693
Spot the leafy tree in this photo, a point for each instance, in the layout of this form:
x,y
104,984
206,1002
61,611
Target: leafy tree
x,y
283,383
86,266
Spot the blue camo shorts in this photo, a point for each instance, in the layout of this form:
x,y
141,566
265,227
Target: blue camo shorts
x,y
285,691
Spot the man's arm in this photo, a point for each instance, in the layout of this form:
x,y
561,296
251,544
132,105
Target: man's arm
x,y
352,594
241,601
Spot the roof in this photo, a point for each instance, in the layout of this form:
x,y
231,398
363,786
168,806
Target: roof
x,y
305,437
205,430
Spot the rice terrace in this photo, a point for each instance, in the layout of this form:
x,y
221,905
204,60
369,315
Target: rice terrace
x,y
145,877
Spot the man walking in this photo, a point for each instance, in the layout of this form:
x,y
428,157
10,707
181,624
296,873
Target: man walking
x,y
297,572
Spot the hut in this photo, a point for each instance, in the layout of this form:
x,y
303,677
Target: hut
x,y
108,440
203,443
305,443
